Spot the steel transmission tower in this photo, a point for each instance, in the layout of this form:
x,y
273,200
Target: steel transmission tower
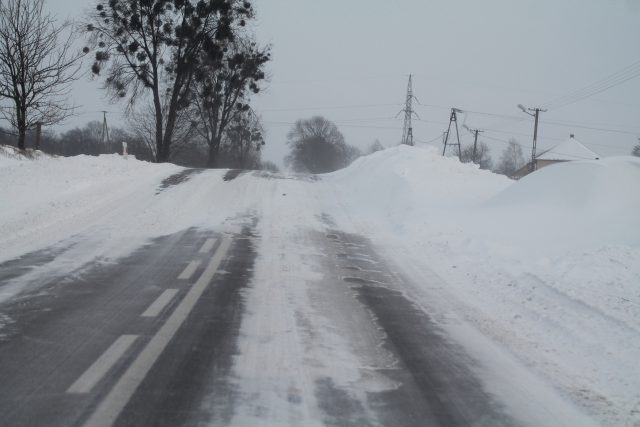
x,y
407,131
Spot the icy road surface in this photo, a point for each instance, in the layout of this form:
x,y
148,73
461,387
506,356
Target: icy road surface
x,y
254,307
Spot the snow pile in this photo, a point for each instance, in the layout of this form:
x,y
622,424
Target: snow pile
x,y
402,186
52,198
548,266
572,205
7,153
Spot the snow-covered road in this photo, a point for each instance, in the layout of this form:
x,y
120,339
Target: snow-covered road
x,y
135,294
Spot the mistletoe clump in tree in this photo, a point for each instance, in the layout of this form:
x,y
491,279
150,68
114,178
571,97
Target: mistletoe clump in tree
x,y
222,89
154,47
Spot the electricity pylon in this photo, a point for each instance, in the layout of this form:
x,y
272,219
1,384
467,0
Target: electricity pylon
x,y
453,119
407,131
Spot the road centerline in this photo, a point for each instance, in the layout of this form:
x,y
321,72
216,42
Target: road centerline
x,y
189,270
160,303
102,365
113,404
207,246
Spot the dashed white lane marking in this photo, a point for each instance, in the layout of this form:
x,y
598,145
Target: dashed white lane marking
x,y
160,303
207,246
189,270
110,408
100,367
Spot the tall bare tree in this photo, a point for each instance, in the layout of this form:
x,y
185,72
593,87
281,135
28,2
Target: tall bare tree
x,y
37,65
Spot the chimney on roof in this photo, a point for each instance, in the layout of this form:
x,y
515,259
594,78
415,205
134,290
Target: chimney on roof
x,y
571,136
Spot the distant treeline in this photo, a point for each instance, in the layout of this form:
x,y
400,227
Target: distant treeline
x,y
88,140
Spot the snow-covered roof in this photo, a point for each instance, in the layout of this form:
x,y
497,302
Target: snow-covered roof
x,y
571,149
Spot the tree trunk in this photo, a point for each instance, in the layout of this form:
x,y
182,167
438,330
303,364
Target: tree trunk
x,y
172,116
160,152
212,162
168,134
22,131
22,136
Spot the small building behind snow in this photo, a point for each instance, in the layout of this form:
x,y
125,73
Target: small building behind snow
x,y
567,151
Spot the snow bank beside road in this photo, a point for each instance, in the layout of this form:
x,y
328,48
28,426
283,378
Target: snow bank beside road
x,y
52,198
548,266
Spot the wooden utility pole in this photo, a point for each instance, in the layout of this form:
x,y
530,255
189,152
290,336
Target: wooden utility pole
x,y
535,113
475,144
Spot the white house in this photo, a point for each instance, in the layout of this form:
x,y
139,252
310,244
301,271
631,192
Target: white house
x,y
567,151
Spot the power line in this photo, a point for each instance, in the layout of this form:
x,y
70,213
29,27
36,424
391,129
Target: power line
x,y
630,72
430,141
331,107
342,125
591,128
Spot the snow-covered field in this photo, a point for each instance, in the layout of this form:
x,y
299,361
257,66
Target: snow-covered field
x,y
547,268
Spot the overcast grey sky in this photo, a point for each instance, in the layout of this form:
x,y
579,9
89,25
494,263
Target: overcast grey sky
x,y
349,60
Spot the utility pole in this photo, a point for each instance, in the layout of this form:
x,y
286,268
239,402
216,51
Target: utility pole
x,y
407,130
453,119
475,133
105,129
535,113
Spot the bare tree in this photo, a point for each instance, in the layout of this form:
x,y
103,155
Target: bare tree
x,y
511,159
242,142
317,146
482,155
222,88
143,122
37,65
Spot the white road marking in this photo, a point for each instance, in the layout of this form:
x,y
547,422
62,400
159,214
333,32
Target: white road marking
x,y
208,245
100,367
160,303
110,408
189,270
